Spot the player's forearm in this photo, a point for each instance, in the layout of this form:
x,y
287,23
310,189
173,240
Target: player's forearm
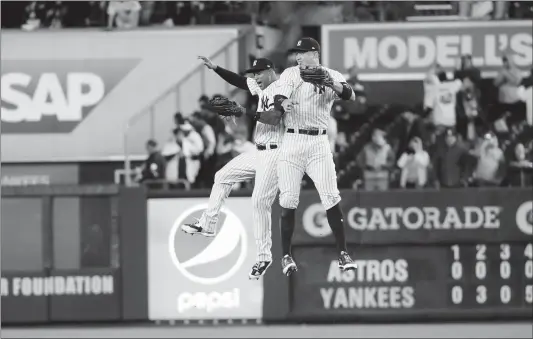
x,y
270,117
232,78
343,90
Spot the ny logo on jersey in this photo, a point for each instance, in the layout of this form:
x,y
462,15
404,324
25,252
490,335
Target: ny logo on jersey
x,y
265,105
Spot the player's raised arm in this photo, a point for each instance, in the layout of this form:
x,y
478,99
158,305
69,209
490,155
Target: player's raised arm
x,y
228,76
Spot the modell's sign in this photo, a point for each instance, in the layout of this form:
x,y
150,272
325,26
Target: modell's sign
x,y
421,217
406,51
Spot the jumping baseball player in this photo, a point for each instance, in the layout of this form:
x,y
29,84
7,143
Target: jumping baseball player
x,y
305,147
260,163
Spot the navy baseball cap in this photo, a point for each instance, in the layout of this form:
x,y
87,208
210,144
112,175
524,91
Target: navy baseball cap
x,y
259,65
306,45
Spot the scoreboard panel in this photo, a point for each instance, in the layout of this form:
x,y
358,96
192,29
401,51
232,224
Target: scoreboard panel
x,y
444,281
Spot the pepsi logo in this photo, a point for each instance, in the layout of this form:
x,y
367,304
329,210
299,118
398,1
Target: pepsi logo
x,y
208,261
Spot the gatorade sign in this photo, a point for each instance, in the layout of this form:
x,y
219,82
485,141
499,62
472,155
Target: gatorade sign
x,y
406,51
54,96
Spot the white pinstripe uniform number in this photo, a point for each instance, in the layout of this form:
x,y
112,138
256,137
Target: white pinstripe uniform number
x,y
311,154
259,164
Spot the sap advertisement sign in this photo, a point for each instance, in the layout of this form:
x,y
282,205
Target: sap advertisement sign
x,y
52,96
73,92
194,277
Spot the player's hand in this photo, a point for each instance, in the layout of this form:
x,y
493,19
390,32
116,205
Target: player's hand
x,y
288,105
208,63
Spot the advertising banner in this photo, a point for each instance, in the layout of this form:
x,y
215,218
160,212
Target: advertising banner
x,y
421,216
39,174
61,89
406,51
19,308
414,282
76,295
195,277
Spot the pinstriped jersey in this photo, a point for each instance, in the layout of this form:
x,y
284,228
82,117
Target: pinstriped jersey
x,y
264,133
314,102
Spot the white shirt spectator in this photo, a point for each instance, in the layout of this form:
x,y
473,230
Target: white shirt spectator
x,y
414,168
191,148
124,13
442,99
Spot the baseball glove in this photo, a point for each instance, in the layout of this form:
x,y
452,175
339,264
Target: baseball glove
x,y
225,107
316,75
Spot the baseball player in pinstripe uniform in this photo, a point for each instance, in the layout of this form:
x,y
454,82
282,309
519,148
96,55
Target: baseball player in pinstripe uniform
x,y
260,163
306,149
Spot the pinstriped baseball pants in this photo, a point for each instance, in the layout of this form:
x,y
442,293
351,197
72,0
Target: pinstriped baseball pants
x,y
263,166
309,154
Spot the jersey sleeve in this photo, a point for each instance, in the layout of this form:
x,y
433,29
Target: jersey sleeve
x,y
282,88
253,87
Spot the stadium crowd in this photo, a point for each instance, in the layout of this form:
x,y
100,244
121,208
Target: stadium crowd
x,y
31,15
458,137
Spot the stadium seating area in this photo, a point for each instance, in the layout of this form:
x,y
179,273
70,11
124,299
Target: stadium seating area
x,y
32,15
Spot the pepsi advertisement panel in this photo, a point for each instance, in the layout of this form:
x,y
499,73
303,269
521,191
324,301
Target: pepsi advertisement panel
x,y
196,277
414,282
421,217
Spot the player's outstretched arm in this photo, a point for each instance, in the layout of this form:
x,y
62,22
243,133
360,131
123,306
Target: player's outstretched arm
x,y
228,76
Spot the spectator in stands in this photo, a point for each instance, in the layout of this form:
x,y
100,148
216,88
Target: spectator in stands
x,y
35,13
520,169
178,119
526,95
508,81
188,148
451,162
490,162
201,13
483,10
469,99
154,166
203,101
414,164
85,14
206,174
177,13
412,126
376,160
123,14
440,99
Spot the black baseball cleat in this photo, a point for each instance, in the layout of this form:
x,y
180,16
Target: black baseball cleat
x,y
288,265
259,269
196,228
345,262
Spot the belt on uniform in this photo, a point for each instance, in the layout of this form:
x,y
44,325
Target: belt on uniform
x,y
307,131
265,147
